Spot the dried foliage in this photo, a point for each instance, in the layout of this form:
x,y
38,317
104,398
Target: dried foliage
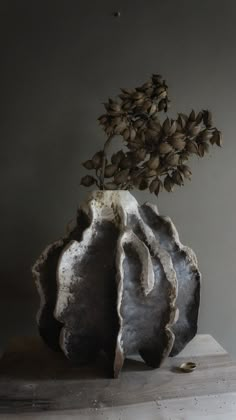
x,y
156,148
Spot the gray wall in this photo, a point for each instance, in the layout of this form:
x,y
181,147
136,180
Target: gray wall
x,y
60,62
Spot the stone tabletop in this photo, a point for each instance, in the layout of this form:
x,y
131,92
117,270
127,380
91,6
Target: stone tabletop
x,y
37,383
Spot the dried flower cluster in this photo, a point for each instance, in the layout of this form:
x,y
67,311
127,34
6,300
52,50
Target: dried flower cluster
x,y
156,151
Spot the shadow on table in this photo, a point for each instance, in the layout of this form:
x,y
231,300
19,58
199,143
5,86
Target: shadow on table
x,y
29,358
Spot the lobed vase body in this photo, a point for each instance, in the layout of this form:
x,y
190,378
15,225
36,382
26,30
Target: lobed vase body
x,y
119,282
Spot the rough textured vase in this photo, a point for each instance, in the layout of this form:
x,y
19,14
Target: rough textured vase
x,y
119,282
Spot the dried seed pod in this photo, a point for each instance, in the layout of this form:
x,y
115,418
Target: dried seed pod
x,y
154,185
139,141
97,160
119,128
190,126
203,148
159,188
113,113
168,184
117,157
179,128
164,84
178,135
140,154
182,119
115,106
116,120
127,105
143,185
88,181
216,138
192,147
172,159
151,133
139,102
165,148
149,91
153,162
194,130
166,126
88,164
109,130
186,171
219,139
106,105
123,96
153,109
178,144
142,136
154,125
156,78
110,170
126,134
206,135
128,91
139,123
192,116
111,101
151,172
206,146
172,129
155,117
183,157
136,180
162,95
178,177
103,119
138,95
155,141
132,134
159,91
207,118
145,86
199,118
133,145
126,163
162,106
122,176
147,105
187,367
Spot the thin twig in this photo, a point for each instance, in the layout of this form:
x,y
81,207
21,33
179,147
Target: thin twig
x,y
105,149
99,177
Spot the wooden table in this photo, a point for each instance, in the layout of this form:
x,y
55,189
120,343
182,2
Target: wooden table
x,y
37,383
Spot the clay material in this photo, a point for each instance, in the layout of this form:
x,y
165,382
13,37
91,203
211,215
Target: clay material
x,y
119,282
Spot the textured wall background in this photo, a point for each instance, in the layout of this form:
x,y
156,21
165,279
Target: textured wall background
x,y
60,60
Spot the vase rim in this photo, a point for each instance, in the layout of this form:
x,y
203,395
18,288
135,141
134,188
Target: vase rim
x,y
120,197
101,192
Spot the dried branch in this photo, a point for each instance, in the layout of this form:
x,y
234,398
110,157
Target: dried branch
x,y
157,150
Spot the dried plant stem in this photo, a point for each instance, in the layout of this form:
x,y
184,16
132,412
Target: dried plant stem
x,y
98,175
98,185
105,150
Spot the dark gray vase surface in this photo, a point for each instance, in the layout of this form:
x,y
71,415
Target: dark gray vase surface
x,y
119,282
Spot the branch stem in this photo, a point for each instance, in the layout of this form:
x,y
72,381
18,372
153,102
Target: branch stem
x,y
105,150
